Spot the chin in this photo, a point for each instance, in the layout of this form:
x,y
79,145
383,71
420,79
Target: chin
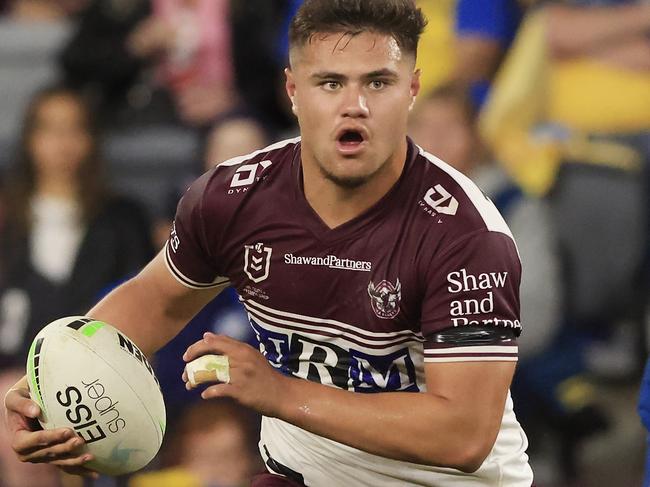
x,y
348,182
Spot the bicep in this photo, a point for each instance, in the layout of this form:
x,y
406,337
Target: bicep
x,y
475,390
152,307
177,298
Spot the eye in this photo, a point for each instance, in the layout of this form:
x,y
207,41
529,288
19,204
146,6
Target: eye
x,y
330,85
377,84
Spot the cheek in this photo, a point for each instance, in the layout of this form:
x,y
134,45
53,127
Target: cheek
x,y
314,119
43,146
391,118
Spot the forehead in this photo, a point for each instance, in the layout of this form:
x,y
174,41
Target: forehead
x,y
339,51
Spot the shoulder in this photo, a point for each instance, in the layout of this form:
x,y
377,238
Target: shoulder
x,y
237,176
457,208
219,193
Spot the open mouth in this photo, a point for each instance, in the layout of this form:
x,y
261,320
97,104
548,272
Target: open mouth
x,y
350,139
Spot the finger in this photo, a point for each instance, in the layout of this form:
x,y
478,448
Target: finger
x,y
18,401
82,471
73,461
185,378
211,343
218,390
26,442
56,452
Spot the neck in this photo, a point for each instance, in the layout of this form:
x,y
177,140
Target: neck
x,y
56,187
336,205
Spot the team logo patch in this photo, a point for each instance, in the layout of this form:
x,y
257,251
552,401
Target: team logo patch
x,y
257,261
385,298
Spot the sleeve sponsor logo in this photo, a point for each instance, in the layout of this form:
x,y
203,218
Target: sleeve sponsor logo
x,y
385,298
464,311
247,175
438,200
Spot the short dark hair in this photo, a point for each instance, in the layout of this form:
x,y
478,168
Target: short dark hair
x,y
400,19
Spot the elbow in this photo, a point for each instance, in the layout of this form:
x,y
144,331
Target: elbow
x,y
470,456
466,460
470,461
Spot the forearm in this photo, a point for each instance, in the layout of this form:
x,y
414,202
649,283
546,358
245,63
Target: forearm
x,y
579,30
416,427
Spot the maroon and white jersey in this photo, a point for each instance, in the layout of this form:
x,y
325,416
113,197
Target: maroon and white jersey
x,y
363,306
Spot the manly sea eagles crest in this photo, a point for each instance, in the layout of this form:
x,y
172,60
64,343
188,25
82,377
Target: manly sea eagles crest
x,y
385,298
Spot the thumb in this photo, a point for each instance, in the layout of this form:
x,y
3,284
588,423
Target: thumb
x,y
217,390
17,400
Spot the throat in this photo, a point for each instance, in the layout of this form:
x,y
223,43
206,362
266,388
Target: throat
x,y
336,205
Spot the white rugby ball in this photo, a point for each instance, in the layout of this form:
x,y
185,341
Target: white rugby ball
x,y
88,376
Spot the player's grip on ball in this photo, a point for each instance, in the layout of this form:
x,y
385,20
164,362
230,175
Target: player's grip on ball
x,y
206,369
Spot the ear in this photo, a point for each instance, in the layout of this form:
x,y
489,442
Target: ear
x,y
290,86
415,87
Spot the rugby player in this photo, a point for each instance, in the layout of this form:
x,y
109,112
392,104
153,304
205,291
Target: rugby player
x,y
381,283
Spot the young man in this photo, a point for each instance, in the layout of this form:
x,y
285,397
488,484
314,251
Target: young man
x,y
383,286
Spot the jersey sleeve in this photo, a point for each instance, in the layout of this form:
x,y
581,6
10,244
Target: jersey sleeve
x,y
473,285
188,250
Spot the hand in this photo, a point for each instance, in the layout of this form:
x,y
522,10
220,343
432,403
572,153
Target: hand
x,y
253,382
151,36
60,447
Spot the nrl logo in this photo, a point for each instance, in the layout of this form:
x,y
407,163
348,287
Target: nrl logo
x,y
257,261
385,298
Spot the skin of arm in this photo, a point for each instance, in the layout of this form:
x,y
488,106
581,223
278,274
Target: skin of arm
x,y
477,58
153,307
445,426
454,424
575,31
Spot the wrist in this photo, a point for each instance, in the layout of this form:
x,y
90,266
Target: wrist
x,y
282,397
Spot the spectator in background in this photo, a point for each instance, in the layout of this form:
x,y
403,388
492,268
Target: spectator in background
x,y
260,54
209,431
436,55
31,34
190,42
569,117
65,240
96,59
484,31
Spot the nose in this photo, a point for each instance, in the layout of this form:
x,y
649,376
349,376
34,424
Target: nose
x,y
355,104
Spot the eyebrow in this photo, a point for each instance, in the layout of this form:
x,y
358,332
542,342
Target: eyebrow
x,y
330,75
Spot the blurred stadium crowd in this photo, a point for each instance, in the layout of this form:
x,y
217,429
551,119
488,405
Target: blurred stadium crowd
x,y
109,108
